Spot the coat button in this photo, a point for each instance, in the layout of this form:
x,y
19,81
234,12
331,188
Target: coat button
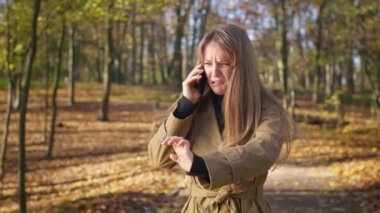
x,y
163,136
238,181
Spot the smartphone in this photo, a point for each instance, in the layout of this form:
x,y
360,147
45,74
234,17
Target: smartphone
x,y
201,83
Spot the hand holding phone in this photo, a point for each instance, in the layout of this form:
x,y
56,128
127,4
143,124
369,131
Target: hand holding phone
x,y
194,84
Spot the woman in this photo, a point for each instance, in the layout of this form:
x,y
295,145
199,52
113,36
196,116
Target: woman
x,y
227,138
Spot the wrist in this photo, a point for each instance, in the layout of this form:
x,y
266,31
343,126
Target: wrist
x,y
190,160
191,99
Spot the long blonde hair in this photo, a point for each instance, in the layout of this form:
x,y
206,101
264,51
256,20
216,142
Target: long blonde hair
x,y
242,100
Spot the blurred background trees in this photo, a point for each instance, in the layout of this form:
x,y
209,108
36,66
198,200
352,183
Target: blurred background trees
x,y
315,47
324,51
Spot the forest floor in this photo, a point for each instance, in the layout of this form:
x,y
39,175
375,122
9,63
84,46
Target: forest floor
x,y
104,167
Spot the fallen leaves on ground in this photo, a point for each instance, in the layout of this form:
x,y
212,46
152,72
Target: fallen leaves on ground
x,y
104,167
353,154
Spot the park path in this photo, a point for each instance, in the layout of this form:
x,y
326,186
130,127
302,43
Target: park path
x,y
304,189
291,188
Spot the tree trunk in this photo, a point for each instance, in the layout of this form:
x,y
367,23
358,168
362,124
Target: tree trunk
x,y
163,58
24,103
299,44
99,59
141,58
17,92
47,67
71,64
98,68
186,51
134,46
318,75
374,85
55,90
119,53
125,55
328,80
206,8
190,53
152,51
284,55
176,63
3,148
115,73
350,73
339,110
331,86
103,114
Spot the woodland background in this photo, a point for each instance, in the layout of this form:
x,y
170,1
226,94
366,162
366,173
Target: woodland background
x,y
82,81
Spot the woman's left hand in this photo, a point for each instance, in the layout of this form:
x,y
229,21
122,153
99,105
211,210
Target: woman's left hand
x,y
183,155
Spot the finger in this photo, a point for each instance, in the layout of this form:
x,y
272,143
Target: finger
x,y
176,143
171,140
165,141
181,142
192,80
197,70
168,141
174,157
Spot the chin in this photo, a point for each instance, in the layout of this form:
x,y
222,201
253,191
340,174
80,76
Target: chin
x,y
219,91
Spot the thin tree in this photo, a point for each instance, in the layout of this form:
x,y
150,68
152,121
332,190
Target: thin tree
x,y
152,51
55,90
284,53
103,114
141,56
71,63
373,80
47,68
134,45
3,148
205,11
24,102
162,53
201,14
319,42
182,12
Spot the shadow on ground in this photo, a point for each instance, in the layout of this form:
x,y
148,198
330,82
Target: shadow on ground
x,y
124,202
312,201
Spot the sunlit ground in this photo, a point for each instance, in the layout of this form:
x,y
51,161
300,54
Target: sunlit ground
x,y
104,167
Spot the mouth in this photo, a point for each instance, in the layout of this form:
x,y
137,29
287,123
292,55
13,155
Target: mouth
x,y
217,82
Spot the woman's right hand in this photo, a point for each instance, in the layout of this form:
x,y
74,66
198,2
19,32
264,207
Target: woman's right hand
x,y
182,153
189,89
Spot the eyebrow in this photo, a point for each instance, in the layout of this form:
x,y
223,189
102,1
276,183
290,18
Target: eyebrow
x,y
221,61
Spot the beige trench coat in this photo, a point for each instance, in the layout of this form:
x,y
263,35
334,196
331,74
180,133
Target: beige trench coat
x,y
237,174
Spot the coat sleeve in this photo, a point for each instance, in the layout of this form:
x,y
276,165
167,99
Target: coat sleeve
x,y
233,164
172,126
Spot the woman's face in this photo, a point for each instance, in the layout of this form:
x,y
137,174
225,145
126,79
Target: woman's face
x,y
218,66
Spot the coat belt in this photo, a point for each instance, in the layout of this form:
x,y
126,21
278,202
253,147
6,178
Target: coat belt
x,y
223,193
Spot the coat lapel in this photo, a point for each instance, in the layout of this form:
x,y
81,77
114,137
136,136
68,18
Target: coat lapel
x,y
208,137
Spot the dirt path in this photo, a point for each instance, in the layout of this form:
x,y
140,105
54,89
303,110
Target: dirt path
x,y
303,189
300,189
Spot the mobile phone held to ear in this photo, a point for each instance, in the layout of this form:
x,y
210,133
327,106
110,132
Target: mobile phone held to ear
x,y
201,83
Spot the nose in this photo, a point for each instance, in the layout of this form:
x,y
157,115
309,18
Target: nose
x,y
214,69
